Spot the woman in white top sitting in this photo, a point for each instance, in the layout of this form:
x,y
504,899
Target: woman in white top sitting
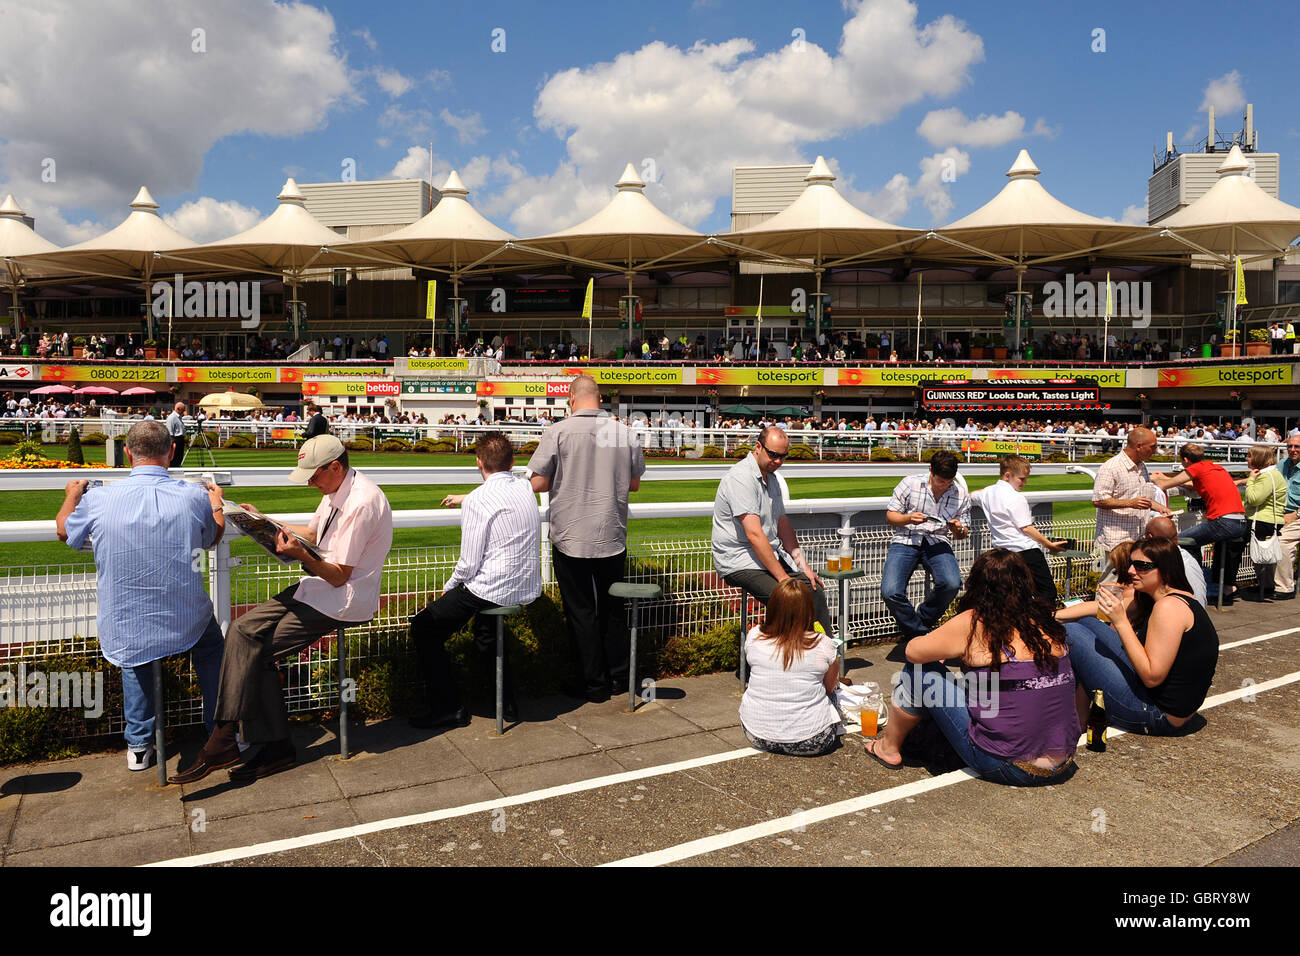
x,y
792,671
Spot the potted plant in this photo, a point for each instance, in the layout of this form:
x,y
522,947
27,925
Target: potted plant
x,y
999,351
1231,347
979,344
150,349
1258,342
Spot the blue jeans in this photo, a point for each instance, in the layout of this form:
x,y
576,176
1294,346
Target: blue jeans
x,y
137,688
943,697
900,562
1229,529
1101,663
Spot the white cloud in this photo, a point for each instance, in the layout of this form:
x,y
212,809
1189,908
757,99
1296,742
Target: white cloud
x,y
1134,215
414,165
892,201
699,111
207,219
127,101
438,79
1224,94
393,83
410,124
366,38
469,128
951,127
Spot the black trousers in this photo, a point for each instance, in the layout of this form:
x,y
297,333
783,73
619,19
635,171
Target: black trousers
x,y
597,622
178,450
430,629
1044,586
761,584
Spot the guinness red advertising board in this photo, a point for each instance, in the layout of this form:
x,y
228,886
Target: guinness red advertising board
x,y
1031,395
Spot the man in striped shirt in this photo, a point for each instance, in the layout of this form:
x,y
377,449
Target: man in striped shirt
x,y
500,565
927,513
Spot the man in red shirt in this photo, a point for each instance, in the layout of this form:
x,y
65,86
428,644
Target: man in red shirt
x,y
1225,516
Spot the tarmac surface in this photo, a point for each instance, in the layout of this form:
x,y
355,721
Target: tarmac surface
x,y
676,783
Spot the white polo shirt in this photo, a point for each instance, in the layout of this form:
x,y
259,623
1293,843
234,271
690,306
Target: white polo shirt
x,y
1007,511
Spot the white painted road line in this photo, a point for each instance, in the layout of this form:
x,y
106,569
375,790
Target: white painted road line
x,y
722,841
486,806
392,823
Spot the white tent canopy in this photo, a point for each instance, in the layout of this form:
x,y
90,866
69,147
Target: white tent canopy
x,y
820,224
630,232
18,239
1235,216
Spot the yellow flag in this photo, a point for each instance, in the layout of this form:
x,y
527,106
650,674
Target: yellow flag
x,y
1241,284
1109,296
586,303
430,300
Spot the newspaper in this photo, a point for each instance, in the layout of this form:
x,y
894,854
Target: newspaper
x,y
264,531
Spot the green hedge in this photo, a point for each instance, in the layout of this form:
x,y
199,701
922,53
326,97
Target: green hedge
x,y
528,447
361,444
801,453
928,454
883,454
711,451
396,444
239,441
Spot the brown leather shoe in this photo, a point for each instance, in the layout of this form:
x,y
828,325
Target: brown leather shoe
x,y
270,759
205,764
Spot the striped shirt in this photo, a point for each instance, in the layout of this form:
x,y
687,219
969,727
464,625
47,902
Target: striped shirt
x,y
500,542
146,531
913,494
1120,477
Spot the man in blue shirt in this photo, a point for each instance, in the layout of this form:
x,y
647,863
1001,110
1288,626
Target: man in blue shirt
x,y
147,532
1284,570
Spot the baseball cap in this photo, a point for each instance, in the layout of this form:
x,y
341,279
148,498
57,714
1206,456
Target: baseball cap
x,y
315,452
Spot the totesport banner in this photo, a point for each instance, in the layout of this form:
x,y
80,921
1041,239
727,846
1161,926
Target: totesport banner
x,y
889,376
230,374
352,388
760,376
1029,449
630,376
436,364
1106,378
296,374
1226,375
551,389
103,373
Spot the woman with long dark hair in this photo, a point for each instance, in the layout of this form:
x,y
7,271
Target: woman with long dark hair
x,y
792,671
1155,663
1016,713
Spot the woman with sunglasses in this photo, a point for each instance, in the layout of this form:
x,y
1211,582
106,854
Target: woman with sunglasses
x,y
1155,663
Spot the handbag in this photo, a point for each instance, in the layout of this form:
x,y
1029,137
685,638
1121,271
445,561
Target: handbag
x,y
1268,551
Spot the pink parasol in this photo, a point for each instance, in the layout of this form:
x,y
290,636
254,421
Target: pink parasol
x,y
52,390
140,390
96,390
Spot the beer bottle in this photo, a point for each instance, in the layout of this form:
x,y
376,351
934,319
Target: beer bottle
x,y
1097,723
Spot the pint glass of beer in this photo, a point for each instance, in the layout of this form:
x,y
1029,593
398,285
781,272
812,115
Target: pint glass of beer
x,y
1115,592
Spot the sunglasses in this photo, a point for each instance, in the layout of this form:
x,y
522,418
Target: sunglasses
x,y
775,456
1142,567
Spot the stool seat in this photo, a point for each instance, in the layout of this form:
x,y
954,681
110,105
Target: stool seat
x,y
642,592
1077,555
506,611
843,575
1188,543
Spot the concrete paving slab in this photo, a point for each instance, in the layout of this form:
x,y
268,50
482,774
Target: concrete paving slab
x,y
711,702
129,849
105,800
658,752
457,792
553,773
221,798
223,833
406,760
522,744
610,725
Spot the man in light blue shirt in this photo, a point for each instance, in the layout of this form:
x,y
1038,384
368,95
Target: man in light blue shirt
x,y
147,532
1284,570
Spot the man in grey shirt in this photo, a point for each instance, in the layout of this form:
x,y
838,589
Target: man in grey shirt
x,y
176,428
754,543
589,462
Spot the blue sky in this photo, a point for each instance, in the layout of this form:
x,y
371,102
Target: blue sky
x,y
885,89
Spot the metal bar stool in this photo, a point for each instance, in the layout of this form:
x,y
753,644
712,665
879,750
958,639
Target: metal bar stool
x,y
637,593
501,613
159,723
843,577
341,646
744,629
1200,552
1070,557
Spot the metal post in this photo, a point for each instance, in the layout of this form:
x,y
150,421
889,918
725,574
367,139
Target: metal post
x,y
343,699
159,723
631,664
844,623
219,584
744,626
501,657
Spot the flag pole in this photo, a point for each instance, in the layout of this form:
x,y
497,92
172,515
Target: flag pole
x,y
918,315
759,342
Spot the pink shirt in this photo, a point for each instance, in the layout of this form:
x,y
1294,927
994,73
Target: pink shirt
x,y
358,532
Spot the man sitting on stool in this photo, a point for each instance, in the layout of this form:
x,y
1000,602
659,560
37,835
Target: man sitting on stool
x,y
500,565
927,512
1011,525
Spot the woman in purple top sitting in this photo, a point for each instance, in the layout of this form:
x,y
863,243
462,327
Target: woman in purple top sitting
x,y
1015,714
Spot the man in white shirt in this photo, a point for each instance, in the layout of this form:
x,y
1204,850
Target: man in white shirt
x,y
500,565
1011,525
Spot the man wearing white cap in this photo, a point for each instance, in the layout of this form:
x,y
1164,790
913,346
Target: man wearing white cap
x,y
352,530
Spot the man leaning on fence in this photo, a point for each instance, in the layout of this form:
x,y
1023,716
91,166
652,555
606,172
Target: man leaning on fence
x,y
927,512
590,462
754,543
499,565
148,532
1123,495
352,530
